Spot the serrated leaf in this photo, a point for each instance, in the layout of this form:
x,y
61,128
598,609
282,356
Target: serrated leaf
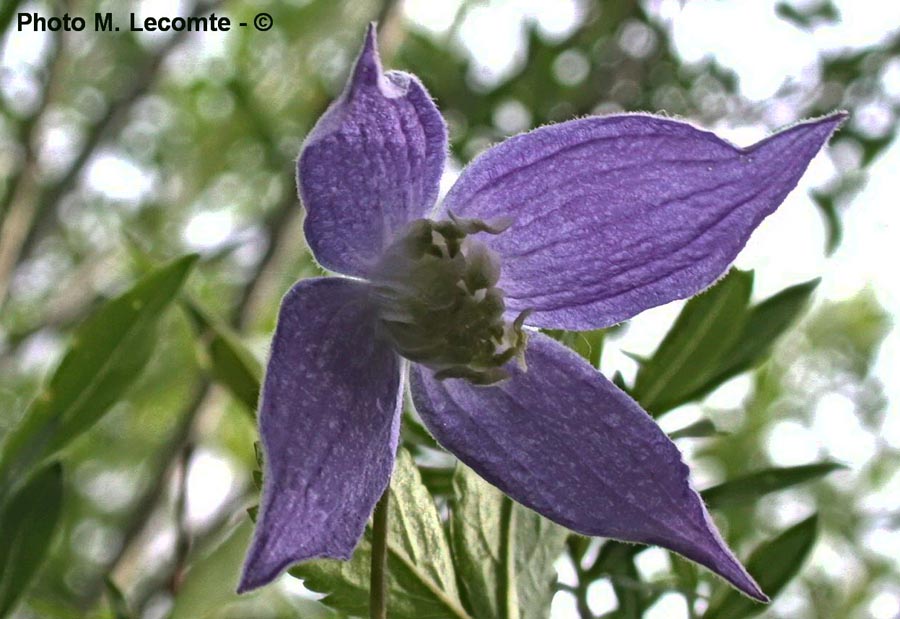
x,y
230,363
749,488
107,353
27,523
421,582
773,565
504,552
689,355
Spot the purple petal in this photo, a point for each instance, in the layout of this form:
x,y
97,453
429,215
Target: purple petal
x,y
371,164
614,215
564,441
329,419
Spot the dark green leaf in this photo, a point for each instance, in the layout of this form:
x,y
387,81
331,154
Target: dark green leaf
x,y
438,480
106,354
27,523
422,582
765,323
700,429
808,17
755,331
504,552
230,363
773,565
689,356
748,489
616,562
117,603
414,433
833,226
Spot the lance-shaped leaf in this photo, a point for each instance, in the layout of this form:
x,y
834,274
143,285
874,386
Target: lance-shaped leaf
x,y
208,587
230,363
504,552
105,356
773,565
749,488
700,429
716,337
422,582
588,344
765,323
118,605
689,355
27,523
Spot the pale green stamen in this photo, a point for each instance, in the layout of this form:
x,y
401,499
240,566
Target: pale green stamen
x,y
439,304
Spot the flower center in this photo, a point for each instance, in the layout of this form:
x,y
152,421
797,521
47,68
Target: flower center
x,y
435,289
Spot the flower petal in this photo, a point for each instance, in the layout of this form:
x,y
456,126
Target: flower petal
x,y
371,164
564,441
329,419
613,215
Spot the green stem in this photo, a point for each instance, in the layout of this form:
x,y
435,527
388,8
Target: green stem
x,y
378,593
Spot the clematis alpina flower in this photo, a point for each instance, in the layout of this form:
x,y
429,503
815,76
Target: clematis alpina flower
x,y
578,225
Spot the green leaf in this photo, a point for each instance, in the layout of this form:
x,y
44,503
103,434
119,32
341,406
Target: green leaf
x,y
107,353
438,480
748,489
833,226
616,562
209,586
414,433
422,582
689,356
773,565
27,523
504,552
699,429
588,344
230,363
704,365
210,583
765,323
117,603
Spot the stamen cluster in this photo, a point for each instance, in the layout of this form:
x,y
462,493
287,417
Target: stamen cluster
x,y
435,289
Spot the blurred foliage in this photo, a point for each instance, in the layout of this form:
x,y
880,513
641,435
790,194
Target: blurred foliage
x,y
201,133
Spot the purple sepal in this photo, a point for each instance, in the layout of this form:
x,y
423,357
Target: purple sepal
x,y
372,163
614,215
329,419
564,441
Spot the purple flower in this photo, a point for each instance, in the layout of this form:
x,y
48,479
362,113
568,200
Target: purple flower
x,y
578,225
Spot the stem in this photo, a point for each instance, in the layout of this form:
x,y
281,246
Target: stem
x,y
378,593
